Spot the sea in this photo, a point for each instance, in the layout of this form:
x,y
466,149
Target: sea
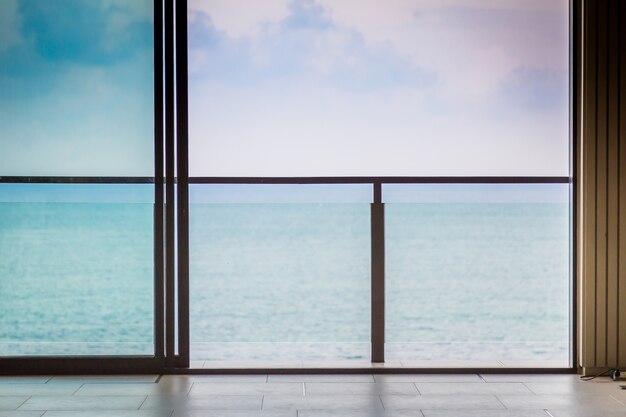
x,y
467,279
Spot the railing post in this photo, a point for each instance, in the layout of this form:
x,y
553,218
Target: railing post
x,y
378,275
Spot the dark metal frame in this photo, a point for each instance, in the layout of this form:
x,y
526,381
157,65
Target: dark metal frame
x,y
171,222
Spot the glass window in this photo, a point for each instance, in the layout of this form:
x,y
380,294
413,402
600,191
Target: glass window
x,y
279,272
76,88
478,274
378,88
76,271
76,100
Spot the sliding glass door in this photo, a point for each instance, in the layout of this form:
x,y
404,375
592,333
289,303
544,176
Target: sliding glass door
x,y
290,183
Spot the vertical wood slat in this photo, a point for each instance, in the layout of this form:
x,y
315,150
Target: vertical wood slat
x,y
601,183
621,83
588,197
603,186
612,185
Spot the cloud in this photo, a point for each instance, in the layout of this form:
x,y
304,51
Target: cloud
x,y
306,44
536,89
92,32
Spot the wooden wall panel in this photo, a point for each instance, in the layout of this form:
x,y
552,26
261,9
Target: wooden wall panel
x,y
602,181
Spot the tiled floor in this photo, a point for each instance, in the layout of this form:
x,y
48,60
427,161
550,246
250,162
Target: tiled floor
x,y
367,395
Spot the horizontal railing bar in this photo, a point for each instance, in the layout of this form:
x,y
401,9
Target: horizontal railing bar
x,y
77,180
292,180
383,180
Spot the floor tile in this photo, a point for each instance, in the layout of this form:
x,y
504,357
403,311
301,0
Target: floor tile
x,y
361,413
82,403
321,378
459,388
247,388
39,389
428,378
24,379
441,402
583,402
218,378
360,388
21,413
530,377
111,379
204,402
118,413
164,388
574,388
11,403
210,413
584,413
321,402
484,413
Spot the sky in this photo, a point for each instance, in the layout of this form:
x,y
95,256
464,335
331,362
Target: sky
x,y
378,88
291,87
76,88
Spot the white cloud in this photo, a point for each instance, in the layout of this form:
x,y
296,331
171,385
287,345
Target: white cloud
x,y
240,18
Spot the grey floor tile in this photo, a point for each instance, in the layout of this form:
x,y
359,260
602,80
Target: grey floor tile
x,y
24,379
530,378
102,413
584,413
321,402
247,388
442,402
573,388
360,388
467,378
102,379
459,388
619,394
164,388
484,413
204,402
11,403
21,413
361,413
582,402
321,378
217,378
39,389
82,403
209,413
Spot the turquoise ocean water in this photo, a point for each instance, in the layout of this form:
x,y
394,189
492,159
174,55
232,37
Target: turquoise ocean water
x,y
465,281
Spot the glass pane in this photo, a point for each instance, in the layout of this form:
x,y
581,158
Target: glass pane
x,y
478,275
76,88
76,271
280,272
378,88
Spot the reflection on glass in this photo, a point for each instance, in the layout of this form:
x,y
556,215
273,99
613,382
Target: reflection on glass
x,y
478,274
378,88
279,272
76,271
